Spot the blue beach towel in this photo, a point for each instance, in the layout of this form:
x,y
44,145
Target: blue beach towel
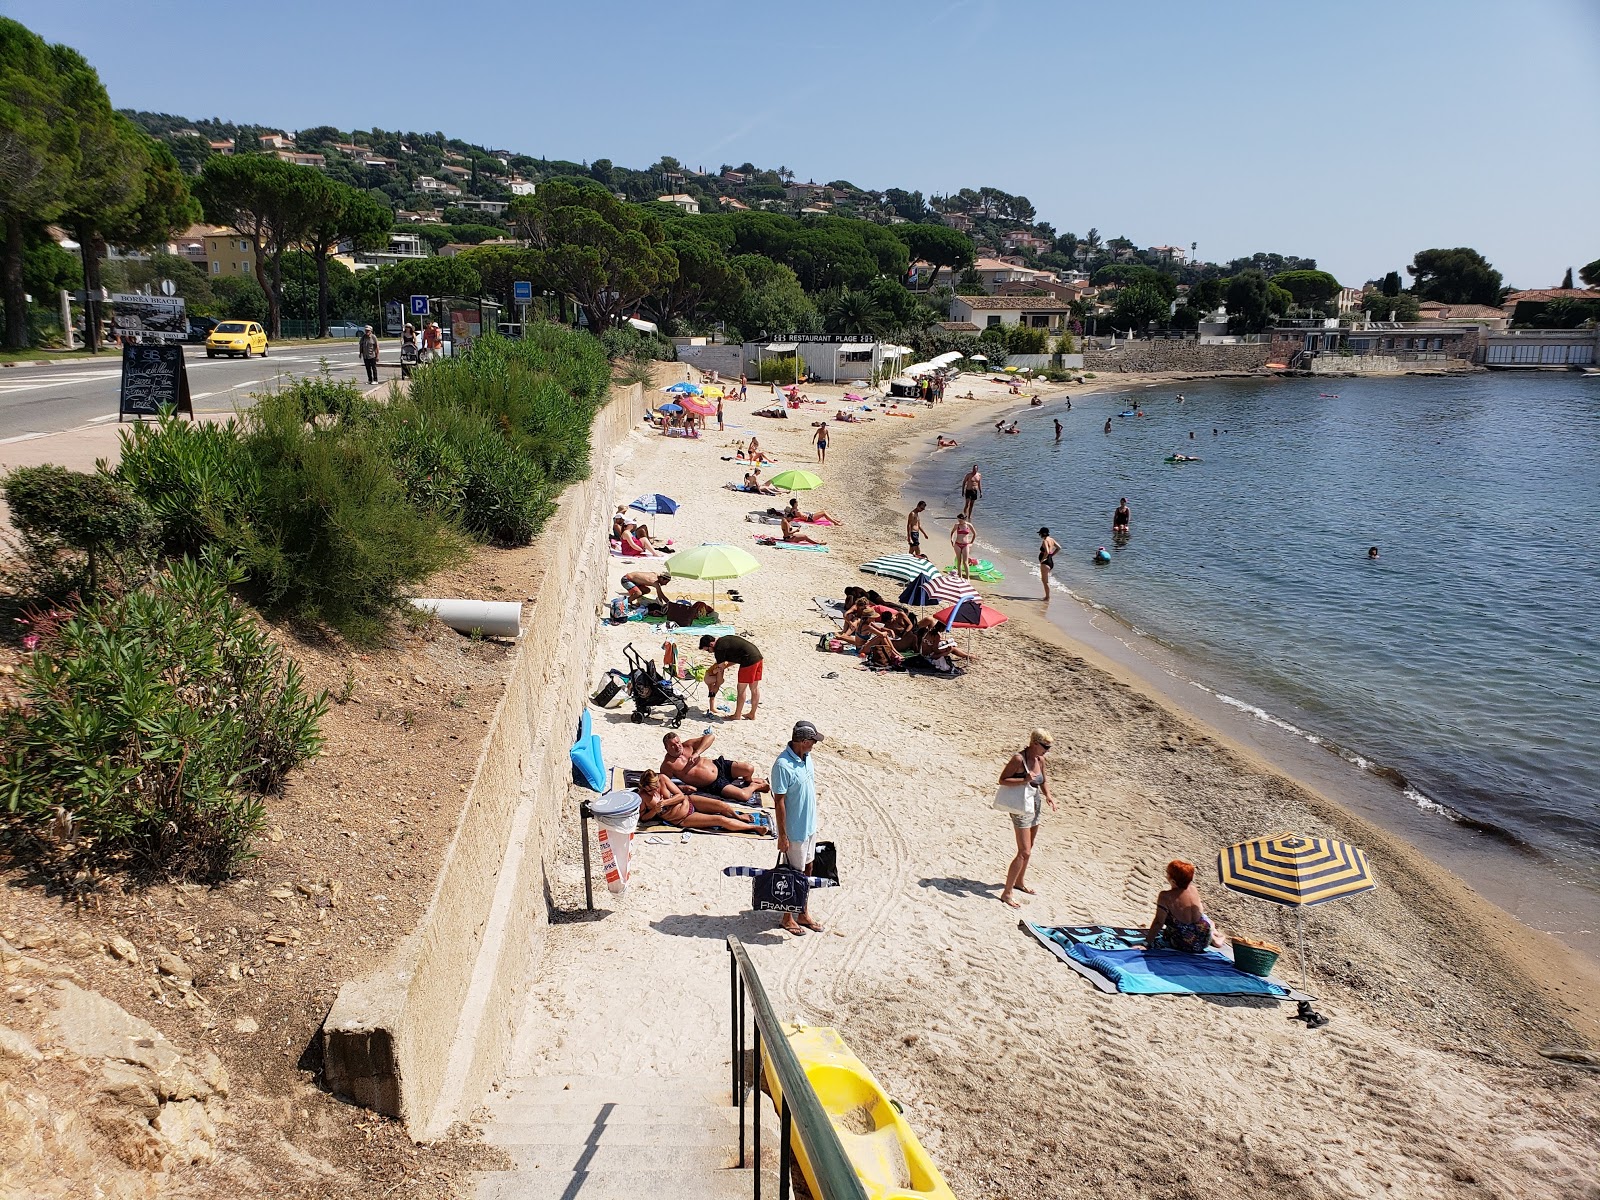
x,y
1118,955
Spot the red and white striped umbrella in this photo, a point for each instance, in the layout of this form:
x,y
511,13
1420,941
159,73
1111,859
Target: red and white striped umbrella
x,y
950,589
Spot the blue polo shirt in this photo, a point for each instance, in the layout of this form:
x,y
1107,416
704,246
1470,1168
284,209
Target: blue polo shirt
x,y
795,779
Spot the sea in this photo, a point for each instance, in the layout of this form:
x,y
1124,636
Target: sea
x,y
1462,664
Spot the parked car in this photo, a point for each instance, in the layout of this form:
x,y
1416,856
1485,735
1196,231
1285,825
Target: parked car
x,y
346,329
237,337
200,328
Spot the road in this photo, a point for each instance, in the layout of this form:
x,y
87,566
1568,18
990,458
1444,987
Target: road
x,y
44,398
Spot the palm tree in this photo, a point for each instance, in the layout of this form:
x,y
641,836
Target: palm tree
x,y
848,312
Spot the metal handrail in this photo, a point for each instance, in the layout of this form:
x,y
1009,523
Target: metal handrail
x,y
800,1106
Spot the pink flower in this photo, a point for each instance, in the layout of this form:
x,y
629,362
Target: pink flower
x,y
31,642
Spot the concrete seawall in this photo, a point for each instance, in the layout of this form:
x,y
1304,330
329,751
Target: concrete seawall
x,y
423,1037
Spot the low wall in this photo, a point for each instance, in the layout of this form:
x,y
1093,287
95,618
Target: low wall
x,y
1171,355
423,1037
1385,364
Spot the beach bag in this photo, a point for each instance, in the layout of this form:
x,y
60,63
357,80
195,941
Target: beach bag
x,y
782,889
825,862
681,612
1019,798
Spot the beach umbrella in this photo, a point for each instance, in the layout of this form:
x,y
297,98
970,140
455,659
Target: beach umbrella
x,y
795,481
684,389
670,408
904,567
712,561
656,503
978,358
1296,872
918,592
970,613
699,407
951,589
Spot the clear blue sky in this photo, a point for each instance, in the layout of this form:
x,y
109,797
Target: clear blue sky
x,y
1356,133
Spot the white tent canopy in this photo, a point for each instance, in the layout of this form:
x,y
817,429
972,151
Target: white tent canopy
x,y
948,356
782,348
919,369
855,347
643,326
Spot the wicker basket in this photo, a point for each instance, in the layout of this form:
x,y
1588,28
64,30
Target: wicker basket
x,y
1258,958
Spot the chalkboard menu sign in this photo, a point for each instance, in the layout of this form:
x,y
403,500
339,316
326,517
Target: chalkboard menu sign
x,y
153,377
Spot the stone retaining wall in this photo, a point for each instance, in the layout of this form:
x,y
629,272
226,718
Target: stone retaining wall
x,y
423,1037
1162,355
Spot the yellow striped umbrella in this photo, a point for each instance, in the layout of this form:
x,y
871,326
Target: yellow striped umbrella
x,y
1296,872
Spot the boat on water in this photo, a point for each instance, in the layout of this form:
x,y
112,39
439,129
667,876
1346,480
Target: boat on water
x,y
888,1159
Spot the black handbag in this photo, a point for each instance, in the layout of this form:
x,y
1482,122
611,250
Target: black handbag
x,y
782,889
825,863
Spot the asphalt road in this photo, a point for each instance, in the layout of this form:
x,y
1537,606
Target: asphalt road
x,y
50,397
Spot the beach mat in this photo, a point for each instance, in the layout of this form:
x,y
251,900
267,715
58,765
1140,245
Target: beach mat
x,y
1115,960
748,812
775,544
832,609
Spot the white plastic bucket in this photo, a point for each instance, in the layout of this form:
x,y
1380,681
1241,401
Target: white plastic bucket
x,y
492,618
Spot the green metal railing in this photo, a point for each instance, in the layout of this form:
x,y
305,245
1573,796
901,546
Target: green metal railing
x,y
799,1109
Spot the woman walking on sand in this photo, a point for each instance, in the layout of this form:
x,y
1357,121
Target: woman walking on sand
x,y
821,439
1048,549
1026,769
962,535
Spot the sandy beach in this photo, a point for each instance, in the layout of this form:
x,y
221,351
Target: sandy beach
x,y
1021,1079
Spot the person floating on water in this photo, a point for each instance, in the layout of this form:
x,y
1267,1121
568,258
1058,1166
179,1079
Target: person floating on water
x,y
1372,552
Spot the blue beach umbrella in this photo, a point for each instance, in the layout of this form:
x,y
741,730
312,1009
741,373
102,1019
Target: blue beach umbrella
x,y
656,503
686,389
917,592
670,408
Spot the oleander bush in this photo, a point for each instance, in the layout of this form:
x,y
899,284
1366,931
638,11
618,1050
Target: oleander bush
x,y
150,727
194,478
777,370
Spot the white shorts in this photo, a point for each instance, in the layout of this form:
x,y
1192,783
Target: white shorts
x,y
800,854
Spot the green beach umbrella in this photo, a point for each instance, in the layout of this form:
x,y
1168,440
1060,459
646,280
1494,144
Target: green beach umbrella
x,y
795,481
712,561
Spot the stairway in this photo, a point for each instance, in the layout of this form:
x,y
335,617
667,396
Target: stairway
x,y
599,1137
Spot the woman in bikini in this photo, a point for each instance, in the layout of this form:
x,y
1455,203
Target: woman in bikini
x,y
962,535
1180,922
1048,549
796,536
661,798
1026,767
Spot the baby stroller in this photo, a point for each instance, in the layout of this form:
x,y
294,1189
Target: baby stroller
x,y
650,689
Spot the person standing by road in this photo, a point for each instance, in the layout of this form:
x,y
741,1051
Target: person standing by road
x,y
369,353
731,649
1026,769
914,530
433,341
794,809
971,490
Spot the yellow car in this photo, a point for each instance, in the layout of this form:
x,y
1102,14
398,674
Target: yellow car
x,y
236,337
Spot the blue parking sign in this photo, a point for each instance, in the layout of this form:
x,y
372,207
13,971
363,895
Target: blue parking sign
x,y
419,306
522,290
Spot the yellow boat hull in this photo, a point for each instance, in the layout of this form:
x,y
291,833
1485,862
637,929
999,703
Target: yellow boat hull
x,y
890,1162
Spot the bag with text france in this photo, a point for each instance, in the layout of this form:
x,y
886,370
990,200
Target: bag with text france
x,y
782,889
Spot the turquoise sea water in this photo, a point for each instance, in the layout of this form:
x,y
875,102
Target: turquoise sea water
x,y
1466,657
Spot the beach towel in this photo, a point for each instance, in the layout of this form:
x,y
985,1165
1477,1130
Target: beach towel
x,y
756,816
815,881
1115,959
830,608
775,544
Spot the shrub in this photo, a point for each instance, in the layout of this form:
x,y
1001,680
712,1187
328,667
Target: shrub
x,y
195,479
1024,339
625,342
56,510
318,395
777,370
332,539
507,499
152,724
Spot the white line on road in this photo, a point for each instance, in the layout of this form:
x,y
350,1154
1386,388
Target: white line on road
x,y
22,437
104,419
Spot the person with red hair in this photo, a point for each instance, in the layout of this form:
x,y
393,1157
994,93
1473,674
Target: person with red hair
x,y
1180,921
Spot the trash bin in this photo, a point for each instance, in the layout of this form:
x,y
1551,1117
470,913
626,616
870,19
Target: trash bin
x,y
618,815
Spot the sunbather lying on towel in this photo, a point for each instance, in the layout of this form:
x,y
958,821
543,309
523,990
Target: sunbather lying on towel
x,y
685,762
810,518
660,798
778,411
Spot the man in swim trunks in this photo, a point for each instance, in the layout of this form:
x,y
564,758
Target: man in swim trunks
x,y
914,530
731,649
971,490
1121,520
685,761
640,583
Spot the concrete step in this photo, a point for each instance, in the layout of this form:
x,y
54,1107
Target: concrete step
x,y
645,1161
543,1112
593,1090
686,1129
621,1184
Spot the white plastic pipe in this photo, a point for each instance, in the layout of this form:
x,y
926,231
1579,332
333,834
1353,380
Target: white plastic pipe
x,y
492,618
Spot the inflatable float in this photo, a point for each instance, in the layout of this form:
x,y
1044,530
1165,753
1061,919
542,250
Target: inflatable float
x,y
982,570
1180,458
881,1146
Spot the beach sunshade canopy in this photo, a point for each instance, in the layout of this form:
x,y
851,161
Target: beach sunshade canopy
x,y
918,592
655,502
687,389
1295,871
904,567
916,369
795,481
712,561
855,347
699,407
978,357
970,614
951,589
782,348
670,408
949,356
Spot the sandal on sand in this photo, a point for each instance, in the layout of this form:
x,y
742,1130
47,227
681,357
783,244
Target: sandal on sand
x,y
808,923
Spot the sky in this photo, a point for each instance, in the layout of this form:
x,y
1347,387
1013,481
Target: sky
x,y
1355,134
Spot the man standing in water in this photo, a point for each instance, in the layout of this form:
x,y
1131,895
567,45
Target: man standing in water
x,y
1121,520
1058,429
971,490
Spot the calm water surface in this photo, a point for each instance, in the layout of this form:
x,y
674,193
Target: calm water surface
x,y
1467,657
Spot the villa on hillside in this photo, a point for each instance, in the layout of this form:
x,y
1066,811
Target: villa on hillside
x,y
1036,312
680,200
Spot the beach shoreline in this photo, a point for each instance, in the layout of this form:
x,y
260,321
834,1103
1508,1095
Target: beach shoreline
x,y
1019,1078
1526,883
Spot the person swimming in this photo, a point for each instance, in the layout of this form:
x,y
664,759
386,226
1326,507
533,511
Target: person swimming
x,y
1372,552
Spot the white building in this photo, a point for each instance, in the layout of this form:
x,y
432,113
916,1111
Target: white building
x,y
1036,312
679,200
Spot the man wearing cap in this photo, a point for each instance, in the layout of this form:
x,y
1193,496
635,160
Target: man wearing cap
x,y
369,354
794,803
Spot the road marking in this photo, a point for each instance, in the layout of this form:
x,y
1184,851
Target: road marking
x,y
201,395
22,437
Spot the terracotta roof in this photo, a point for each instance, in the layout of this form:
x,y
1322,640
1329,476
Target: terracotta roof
x,y
992,303
1540,295
1462,312
958,326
